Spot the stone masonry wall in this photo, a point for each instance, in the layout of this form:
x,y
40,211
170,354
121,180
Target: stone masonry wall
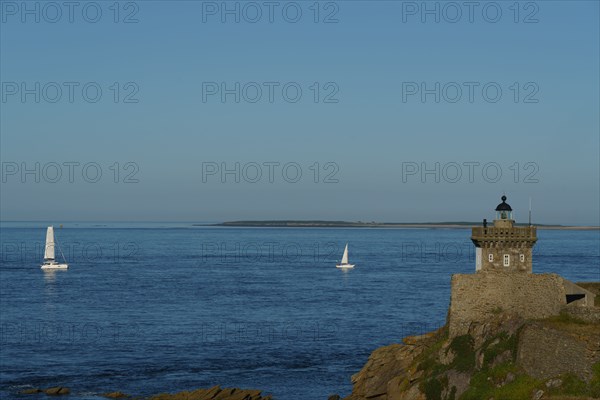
x,y
545,352
476,297
514,252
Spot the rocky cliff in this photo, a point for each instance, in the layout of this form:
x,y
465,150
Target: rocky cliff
x,y
505,357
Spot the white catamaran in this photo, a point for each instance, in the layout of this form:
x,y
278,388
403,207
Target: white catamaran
x,y
344,263
49,260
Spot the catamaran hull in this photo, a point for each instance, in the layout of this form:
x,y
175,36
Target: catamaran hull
x,y
54,266
345,266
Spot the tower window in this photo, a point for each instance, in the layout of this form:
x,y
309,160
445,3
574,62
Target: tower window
x,y
491,258
506,260
522,257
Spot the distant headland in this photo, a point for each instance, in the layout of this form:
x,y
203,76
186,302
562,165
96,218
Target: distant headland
x,y
373,224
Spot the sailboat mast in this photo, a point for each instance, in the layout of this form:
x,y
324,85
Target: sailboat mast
x,y
49,249
345,256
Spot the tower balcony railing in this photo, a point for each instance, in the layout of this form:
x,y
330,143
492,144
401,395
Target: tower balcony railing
x,y
492,233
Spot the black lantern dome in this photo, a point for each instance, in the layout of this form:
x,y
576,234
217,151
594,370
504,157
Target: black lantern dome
x,y
504,210
504,206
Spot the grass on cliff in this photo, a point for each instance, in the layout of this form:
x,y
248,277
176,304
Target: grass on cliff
x,y
436,382
492,381
432,388
427,361
595,382
565,318
461,346
464,360
499,377
568,323
573,386
498,345
484,384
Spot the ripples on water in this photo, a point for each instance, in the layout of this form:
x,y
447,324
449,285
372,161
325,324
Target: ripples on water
x,y
154,309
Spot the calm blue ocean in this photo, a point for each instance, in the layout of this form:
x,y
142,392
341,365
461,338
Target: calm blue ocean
x,y
147,308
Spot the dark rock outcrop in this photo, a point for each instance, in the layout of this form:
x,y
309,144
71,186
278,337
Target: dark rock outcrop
x,y
31,391
214,393
52,391
115,395
57,390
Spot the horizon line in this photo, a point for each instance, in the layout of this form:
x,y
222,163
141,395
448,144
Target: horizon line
x,y
473,223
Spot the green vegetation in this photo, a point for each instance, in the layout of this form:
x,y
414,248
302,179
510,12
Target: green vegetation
x,y
595,382
452,394
499,345
432,389
565,319
500,377
484,384
464,360
572,385
428,360
493,383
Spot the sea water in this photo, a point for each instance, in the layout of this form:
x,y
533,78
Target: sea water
x,y
149,308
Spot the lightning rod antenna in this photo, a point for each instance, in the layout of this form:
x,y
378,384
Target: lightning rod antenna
x,y
529,210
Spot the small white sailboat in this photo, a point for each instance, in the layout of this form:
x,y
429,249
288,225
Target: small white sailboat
x,y
344,263
49,259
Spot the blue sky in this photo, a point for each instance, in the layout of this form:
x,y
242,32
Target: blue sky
x,y
364,131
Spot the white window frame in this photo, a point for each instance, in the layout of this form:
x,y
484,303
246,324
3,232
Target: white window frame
x,y
507,260
522,257
490,257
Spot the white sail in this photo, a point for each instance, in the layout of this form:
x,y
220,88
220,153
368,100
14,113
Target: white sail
x,y
49,251
345,256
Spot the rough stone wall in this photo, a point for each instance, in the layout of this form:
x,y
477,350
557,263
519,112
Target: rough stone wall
x,y
505,239
514,252
477,297
587,314
546,352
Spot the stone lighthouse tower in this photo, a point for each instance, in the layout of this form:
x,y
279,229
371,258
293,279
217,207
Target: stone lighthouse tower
x,y
504,246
